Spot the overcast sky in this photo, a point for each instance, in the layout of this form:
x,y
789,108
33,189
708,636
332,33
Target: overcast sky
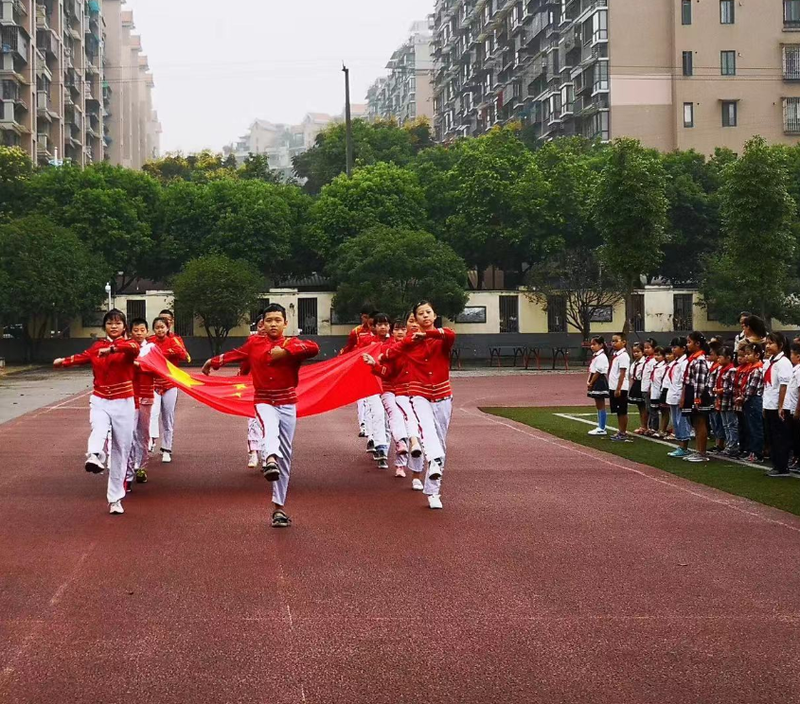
x,y
218,65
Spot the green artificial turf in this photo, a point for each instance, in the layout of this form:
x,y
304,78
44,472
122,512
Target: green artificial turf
x,y
737,479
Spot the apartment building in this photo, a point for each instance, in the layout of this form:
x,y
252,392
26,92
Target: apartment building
x,y
61,67
407,92
676,74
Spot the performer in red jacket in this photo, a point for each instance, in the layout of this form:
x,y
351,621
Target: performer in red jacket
x,y
274,363
361,336
111,406
175,351
143,393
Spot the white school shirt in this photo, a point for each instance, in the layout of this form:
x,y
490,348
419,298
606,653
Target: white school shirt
x,y
780,374
599,363
792,391
620,360
657,382
675,383
647,373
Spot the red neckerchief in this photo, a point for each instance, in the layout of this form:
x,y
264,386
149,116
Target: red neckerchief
x,y
647,361
768,375
722,373
695,356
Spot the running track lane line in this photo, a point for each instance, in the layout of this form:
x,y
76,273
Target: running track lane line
x,y
599,457
39,625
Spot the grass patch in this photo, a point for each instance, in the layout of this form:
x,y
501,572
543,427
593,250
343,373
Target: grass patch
x,y
736,479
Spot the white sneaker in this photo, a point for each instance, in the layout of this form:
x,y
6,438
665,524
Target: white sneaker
x,y
597,431
435,501
94,464
416,485
116,508
252,460
151,445
400,472
166,457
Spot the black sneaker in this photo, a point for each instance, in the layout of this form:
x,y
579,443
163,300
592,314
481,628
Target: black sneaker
x,y
280,519
775,473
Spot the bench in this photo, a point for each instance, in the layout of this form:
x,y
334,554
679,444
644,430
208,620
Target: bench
x,y
516,351
556,352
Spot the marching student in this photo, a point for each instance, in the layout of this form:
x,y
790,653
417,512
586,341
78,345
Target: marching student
x,y
635,396
724,392
654,392
597,383
751,400
174,352
427,356
275,363
696,400
111,406
375,415
155,414
361,336
143,394
777,377
791,405
619,384
675,377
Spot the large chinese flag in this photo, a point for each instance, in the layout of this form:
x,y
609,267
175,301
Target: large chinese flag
x,y
323,386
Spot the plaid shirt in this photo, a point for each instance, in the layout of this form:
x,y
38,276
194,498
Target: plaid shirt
x,y
725,389
755,383
696,375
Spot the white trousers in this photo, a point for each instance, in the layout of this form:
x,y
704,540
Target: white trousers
x,y
254,435
277,426
434,421
412,424
362,413
169,399
376,421
394,416
115,416
141,438
155,415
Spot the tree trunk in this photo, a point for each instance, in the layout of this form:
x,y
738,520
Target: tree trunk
x,y
210,341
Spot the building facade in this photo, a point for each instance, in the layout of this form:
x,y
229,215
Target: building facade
x,y
66,69
407,92
675,74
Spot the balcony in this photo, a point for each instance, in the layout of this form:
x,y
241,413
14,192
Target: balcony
x,y
15,41
47,43
43,146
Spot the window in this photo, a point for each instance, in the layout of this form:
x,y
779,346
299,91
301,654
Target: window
x,y
307,322
600,26
727,63
682,311
688,63
556,314
688,114
509,313
791,115
729,113
136,308
686,11
471,315
637,312
791,13
726,11
600,77
791,62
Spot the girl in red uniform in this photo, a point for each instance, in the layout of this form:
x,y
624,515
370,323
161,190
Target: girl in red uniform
x,y
274,363
174,350
111,406
426,356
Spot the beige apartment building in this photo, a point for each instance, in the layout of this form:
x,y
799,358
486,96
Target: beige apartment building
x,y
67,68
407,92
676,74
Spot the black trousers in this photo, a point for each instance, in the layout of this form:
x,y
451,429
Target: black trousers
x,y
780,435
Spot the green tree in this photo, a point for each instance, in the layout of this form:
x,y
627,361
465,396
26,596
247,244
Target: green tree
x,y
46,274
755,266
256,166
393,268
630,210
383,194
500,203
434,170
202,167
373,142
15,171
220,292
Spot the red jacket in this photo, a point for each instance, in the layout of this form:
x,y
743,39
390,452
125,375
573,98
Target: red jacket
x,y
143,384
274,381
173,349
426,364
360,336
113,374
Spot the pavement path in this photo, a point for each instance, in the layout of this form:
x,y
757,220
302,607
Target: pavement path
x,y
554,574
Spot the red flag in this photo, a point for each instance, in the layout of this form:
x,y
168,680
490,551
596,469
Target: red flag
x,y
323,386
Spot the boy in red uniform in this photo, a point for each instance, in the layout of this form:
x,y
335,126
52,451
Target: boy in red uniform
x,y
173,349
274,363
361,336
111,406
143,395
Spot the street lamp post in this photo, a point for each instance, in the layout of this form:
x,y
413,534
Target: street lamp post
x,y
108,293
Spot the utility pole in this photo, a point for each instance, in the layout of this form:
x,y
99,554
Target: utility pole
x,y
348,123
